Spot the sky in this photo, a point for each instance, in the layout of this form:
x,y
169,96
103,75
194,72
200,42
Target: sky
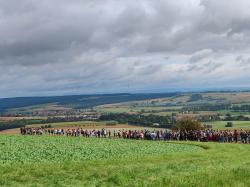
x,y
63,47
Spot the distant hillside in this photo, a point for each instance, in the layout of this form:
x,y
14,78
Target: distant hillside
x,y
78,101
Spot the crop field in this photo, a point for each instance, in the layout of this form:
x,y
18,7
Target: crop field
x,y
64,161
74,124
39,108
6,119
128,109
31,149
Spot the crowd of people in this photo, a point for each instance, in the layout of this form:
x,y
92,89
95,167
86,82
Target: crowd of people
x,y
31,131
193,135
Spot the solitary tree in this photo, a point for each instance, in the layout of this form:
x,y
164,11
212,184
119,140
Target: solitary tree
x,y
187,124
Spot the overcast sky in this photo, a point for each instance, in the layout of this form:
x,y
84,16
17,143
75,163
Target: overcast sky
x,y
52,47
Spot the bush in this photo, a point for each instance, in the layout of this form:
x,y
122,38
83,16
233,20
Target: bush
x,y
187,124
46,126
229,124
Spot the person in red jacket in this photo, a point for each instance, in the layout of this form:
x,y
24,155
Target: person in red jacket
x,y
235,136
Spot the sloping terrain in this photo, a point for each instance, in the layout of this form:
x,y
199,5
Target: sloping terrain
x,y
76,101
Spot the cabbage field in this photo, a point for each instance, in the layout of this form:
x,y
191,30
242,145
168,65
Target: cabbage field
x,y
77,161
33,149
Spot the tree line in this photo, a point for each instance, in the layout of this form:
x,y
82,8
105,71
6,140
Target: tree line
x,y
140,120
208,107
22,123
18,123
229,117
241,108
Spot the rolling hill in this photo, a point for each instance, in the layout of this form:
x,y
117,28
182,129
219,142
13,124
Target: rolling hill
x,y
78,101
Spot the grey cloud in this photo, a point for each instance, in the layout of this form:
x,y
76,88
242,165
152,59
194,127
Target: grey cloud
x,y
62,46
197,56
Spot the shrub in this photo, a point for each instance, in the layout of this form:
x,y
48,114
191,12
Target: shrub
x,y
229,124
187,124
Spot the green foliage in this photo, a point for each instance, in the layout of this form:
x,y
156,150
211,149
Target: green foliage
x,y
218,165
137,119
18,123
229,124
229,117
31,149
187,124
241,108
46,126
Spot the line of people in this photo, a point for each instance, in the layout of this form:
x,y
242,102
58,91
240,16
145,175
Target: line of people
x,y
208,135
31,131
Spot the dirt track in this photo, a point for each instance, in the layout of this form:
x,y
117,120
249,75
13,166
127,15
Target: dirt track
x,y
11,131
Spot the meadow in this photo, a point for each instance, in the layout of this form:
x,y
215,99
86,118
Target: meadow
x,y
236,125
31,149
75,161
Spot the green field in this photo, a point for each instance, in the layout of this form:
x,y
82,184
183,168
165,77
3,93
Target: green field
x,y
125,108
71,161
74,124
236,125
176,103
28,149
